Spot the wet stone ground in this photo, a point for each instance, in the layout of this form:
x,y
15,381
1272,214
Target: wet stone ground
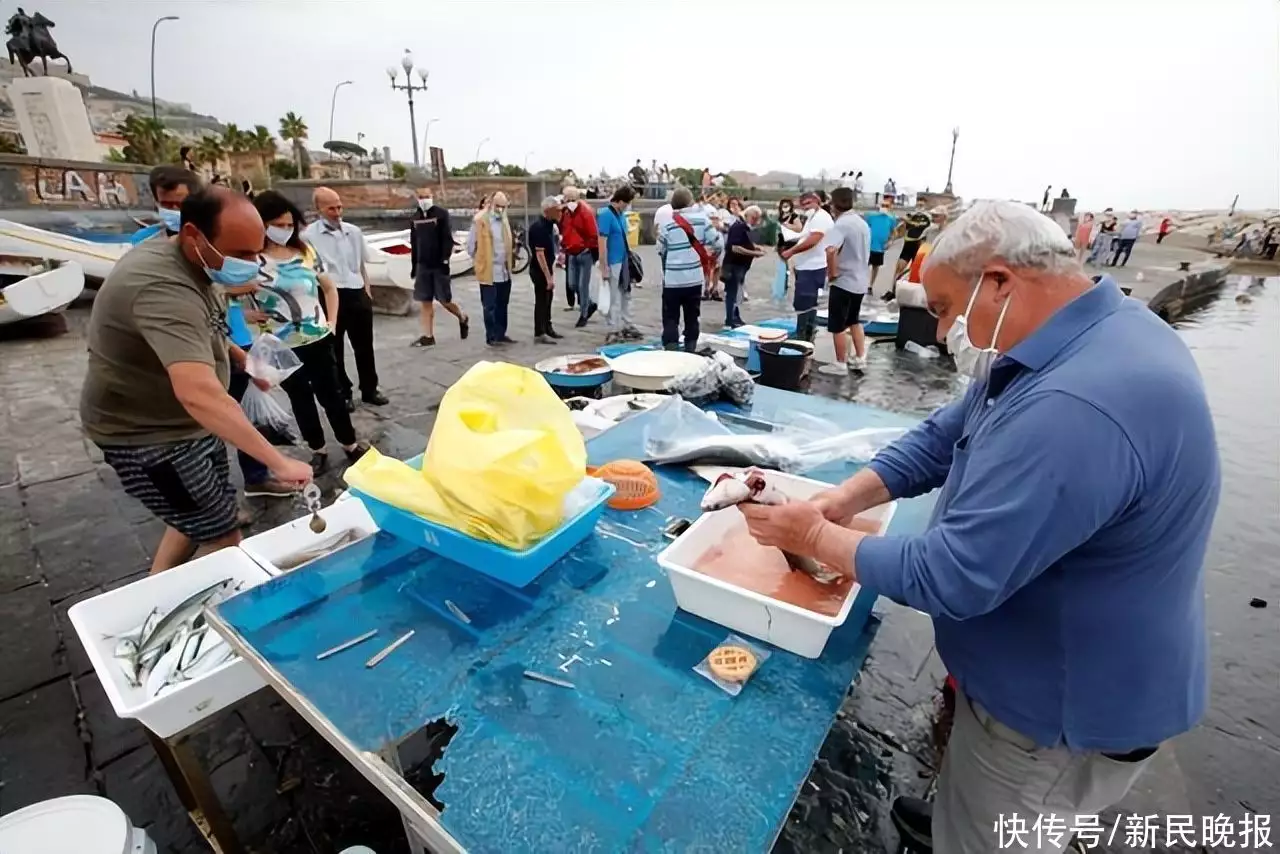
x,y
67,533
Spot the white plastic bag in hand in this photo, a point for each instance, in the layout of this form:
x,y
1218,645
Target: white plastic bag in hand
x,y
605,299
272,420
271,359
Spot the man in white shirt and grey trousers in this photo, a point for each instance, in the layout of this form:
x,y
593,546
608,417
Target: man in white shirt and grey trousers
x,y
341,248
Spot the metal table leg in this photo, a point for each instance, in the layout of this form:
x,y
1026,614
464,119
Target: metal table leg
x,y
196,791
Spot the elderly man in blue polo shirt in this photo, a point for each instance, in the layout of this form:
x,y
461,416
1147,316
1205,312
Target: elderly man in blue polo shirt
x,y
1063,566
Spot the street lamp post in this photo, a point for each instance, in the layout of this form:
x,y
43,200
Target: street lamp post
x,y
426,134
955,134
333,102
526,159
478,147
159,21
406,62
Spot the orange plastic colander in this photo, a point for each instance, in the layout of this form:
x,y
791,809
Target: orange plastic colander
x,y
636,485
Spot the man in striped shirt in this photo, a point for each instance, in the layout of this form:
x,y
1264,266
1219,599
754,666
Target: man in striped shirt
x,y
684,243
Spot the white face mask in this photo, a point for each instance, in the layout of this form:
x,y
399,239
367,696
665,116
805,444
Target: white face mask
x,y
971,360
279,234
425,204
573,206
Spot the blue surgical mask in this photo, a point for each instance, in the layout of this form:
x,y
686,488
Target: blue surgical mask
x,y
172,219
234,271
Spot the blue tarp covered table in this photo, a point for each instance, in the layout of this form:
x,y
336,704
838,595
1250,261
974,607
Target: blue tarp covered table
x,y
644,755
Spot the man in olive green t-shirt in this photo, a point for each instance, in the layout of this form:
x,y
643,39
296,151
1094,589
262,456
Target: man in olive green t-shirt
x,y
155,396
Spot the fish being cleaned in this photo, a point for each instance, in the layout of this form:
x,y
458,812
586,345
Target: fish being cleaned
x,y
730,449
752,486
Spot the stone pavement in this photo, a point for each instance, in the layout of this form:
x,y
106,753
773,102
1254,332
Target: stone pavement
x,y
67,533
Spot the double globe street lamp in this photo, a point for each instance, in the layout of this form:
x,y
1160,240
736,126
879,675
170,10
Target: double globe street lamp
x,y
406,62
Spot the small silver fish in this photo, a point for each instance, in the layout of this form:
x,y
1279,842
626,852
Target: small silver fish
x,y
324,547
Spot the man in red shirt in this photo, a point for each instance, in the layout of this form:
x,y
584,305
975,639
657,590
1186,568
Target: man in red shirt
x,y
579,240
1166,225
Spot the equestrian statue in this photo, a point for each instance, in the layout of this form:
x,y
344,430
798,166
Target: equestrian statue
x,y
31,39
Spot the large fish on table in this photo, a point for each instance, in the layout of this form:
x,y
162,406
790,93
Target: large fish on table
x,y
752,487
730,449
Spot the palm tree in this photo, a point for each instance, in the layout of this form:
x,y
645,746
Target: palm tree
x,y
262,141
146,140
294,130
209,150
234,139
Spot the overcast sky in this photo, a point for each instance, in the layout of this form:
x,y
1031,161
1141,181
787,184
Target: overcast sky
x,y
1170,103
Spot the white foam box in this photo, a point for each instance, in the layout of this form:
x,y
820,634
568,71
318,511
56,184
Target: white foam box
x,y
782,624
270,548
97,620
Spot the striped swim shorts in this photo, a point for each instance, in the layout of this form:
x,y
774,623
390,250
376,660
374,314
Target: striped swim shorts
x,y
186,484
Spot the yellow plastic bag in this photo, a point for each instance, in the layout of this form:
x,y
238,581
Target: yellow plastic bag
x,y
502,456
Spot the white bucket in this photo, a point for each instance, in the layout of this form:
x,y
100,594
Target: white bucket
x,y
76,824
782,624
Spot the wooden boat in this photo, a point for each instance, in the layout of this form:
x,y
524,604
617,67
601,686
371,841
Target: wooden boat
x,y
95,260
31,287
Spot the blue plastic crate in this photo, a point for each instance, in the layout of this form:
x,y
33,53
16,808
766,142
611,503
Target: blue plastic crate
x,y
517,568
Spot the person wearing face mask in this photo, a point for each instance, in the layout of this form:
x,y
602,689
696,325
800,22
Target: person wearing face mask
x,y
430,248
155,397
491,247
300,305
615,269
579,241
170,186
810,256
342,248
1064,562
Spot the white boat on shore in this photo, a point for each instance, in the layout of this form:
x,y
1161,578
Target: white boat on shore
x,y
94,259
390,265
31,287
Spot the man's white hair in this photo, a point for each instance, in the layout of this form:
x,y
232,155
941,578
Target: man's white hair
x,y
752,210
1010,231
550,202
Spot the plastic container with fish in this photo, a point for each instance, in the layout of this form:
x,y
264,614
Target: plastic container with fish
x,y
517,568
787,626
579,370
98,620
293,544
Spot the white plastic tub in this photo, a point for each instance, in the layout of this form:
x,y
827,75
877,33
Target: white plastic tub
x,y
784,625
121,610
270,548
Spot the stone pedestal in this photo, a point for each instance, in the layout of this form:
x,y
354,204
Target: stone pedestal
x,y
52,119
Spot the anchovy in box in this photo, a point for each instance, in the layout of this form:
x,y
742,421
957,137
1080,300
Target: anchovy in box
x,y
751,486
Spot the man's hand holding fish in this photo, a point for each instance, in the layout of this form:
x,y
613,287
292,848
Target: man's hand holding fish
x,y
800,528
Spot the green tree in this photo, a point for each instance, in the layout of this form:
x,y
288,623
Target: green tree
x,y
262,140
692,178
285,170
474,169
235,140
294,131
209,150
510,170
115,155
399,170
10,144
146,141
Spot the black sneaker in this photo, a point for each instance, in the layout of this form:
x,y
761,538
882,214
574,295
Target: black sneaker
x,y
542,339
632,334
551,333
351,404
505,339
357,452
594,308
913,817
375,399
424,341
464,328
582,321
319,462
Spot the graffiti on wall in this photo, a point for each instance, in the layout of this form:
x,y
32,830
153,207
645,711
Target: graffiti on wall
x,y
83,187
